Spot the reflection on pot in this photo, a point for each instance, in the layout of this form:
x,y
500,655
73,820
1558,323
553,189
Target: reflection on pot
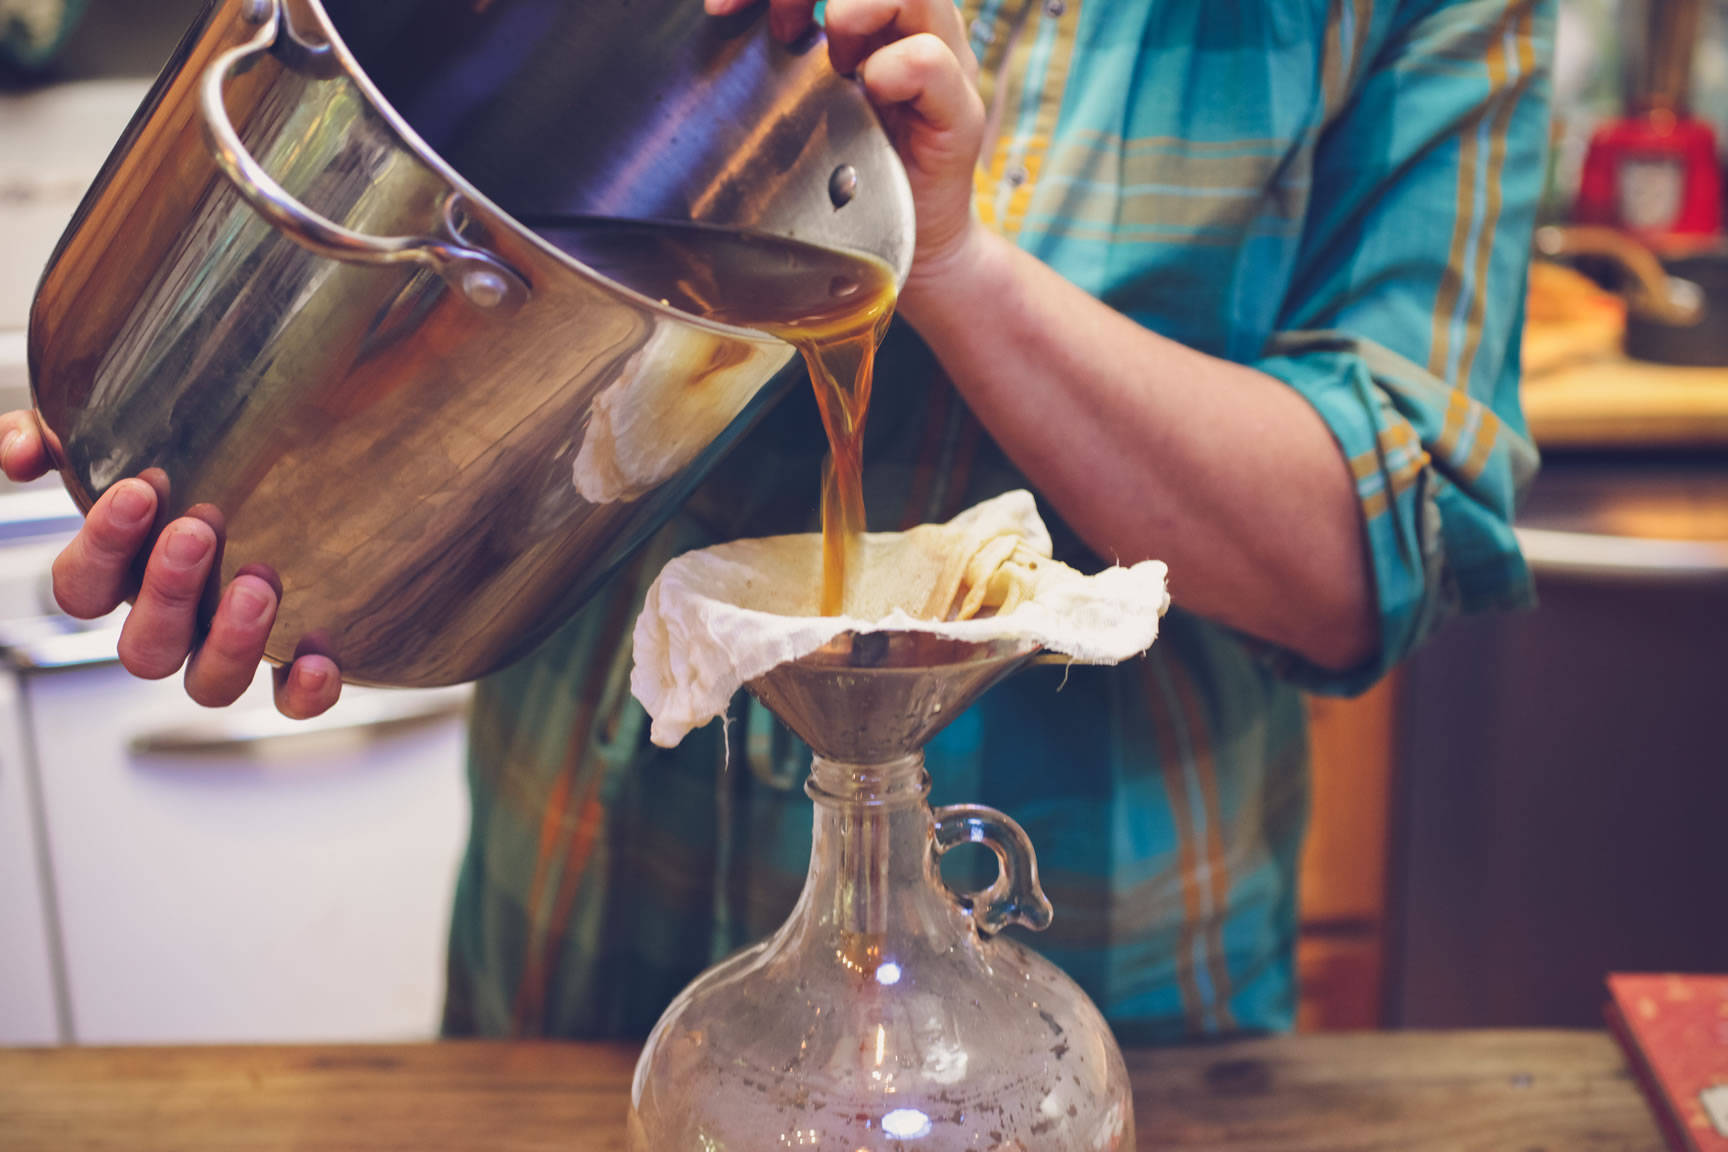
x,y
280,296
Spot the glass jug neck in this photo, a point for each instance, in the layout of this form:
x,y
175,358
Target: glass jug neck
x,y
873,878
891,784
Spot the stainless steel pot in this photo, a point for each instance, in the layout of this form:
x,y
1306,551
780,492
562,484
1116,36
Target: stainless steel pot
x,y
286,302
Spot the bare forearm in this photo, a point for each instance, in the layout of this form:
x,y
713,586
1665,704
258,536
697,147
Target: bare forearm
x,y
1151,449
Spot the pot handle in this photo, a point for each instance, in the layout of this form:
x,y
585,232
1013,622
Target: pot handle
x,y
481,277
1016,897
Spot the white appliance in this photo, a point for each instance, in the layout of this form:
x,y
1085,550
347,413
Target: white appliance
x,y
235,876
32,1003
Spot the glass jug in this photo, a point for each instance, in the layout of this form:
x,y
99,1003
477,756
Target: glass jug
x,y
887,1012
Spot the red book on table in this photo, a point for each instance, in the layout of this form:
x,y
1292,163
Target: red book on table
x,y
1675,1033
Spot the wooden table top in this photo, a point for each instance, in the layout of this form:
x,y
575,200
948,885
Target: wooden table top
x,y
1409,1092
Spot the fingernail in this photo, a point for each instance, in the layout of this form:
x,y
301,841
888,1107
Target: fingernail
x,y
186,547
312,677
248,605
130,505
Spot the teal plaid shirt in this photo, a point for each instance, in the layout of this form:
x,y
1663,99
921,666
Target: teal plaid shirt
x,y
1338,192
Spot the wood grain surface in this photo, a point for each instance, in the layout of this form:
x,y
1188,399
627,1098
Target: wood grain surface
x,y
1410,1092
1394,1092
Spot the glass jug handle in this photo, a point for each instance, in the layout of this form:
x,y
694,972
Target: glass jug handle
x,y
1015,897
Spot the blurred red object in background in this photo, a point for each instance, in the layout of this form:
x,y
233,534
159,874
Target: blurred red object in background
x,y
1654,175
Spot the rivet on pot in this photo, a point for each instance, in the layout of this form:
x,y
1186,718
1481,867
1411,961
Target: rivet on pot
x,y
843,185
484,288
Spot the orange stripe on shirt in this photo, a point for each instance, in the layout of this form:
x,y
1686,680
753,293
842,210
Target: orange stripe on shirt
x,y
986,179
524,1013
1452,426
531,988
1162,719
591,815
1498,78
1452,274
1487,435
1217,866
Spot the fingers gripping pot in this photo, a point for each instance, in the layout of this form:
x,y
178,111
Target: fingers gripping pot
x,y
302,301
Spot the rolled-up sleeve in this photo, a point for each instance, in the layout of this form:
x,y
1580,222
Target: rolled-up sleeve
x,y
1403,321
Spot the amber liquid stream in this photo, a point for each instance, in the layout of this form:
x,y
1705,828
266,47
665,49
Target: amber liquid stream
x,y
832,306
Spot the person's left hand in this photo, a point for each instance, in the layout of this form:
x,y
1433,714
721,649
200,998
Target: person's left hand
x,y
918,70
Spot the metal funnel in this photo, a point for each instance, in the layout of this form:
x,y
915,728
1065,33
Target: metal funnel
x,y
869,697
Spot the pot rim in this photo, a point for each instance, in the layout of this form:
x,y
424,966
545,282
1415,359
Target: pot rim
x,y
429,156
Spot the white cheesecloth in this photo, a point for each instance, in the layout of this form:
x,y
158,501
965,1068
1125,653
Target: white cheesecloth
x,y
719,617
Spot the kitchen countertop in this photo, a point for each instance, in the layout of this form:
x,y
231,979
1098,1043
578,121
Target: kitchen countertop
x,y
1410,1092
1609,401
1581,391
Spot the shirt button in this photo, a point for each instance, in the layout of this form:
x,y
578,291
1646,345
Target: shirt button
x,y
1017,175
1055,8
983,31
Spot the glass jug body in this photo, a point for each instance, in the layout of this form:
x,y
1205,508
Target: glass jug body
x,y
886,1013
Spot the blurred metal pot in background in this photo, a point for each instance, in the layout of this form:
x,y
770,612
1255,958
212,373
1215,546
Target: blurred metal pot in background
x,y
300,299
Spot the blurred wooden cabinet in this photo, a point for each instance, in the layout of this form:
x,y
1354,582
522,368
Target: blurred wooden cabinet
x,y
1341,952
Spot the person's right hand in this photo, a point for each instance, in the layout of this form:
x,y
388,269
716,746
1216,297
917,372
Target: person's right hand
x,y
917,68
95,574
